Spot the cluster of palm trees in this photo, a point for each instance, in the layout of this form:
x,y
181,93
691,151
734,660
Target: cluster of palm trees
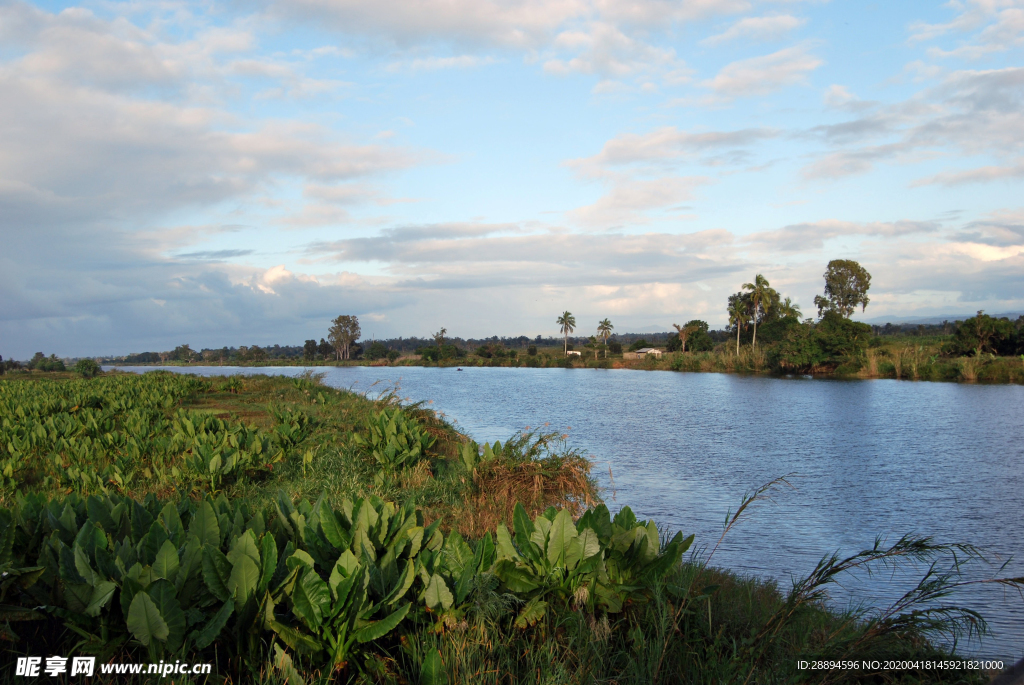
x,y
567,323
754,303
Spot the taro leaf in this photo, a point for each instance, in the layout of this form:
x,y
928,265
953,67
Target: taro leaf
x,y
405,582
506,550
299,558
653,541
379,629
83,568
99,513
205,637
268,554
432,671
574,552
91,538
162,594
300,642
539,537
102,593
129,588
216,571
166,563
335,534
437,595
141,521
559,538
524,529
531,613
77,596
625,519
310,599
152,543
245,545
366,516
485,555
204,525
244,578
591,545
283,664
68,567
516,578
415,535
145,621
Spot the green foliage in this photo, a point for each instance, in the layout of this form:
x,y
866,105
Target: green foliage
x,y
825,345
394,439
639,344
846,287
87,368
615,347
41,362
982,333
376,350
111,433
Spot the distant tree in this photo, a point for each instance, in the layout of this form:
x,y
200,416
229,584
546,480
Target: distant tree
x,y
324,349
35,360
376,350
593,344
760,300
309,350
393,355
531,350
615,347
344,331
979,334
2,368
684,331
604,330
739,314
638,345
257,353
439,337
789,308
846,286
568,324
87,368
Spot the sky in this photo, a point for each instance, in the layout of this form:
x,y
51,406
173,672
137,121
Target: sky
x,y
239,173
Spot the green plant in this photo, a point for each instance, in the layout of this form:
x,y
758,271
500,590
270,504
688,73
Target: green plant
x,y
394,439
87,368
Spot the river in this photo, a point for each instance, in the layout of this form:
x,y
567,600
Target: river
x,y
865,458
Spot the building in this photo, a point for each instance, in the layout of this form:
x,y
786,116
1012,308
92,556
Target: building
x,y
643,353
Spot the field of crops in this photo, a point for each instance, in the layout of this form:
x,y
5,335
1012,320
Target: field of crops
x,y
286,532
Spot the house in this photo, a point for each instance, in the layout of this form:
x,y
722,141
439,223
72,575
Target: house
x,y
643,353
573,353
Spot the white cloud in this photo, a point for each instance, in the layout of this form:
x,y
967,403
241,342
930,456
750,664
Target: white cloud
x,y
766,74
757,29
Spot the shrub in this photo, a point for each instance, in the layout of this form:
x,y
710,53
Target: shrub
x,y
639,344
87,368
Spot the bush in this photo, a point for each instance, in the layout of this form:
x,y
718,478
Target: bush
x,y
376,350
87,368
639,344
532,350
615,347
826,345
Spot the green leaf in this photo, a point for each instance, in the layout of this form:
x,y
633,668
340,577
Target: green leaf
x,y
516,578
437,595
145,621
559,538
506,550
300,642
268,555
166,563
245,545
205,637
310,599
163,595
299,558
216,571
102,593
333,531
284,666
204,525
432,671
244,578
531,613
82,566
379,629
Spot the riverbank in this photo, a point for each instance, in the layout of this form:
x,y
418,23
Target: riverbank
x,y
680,624
899,362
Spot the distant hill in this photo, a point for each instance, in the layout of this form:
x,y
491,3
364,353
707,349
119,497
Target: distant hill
x,y
935,318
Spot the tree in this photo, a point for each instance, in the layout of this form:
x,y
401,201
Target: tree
x,y
685,332
87,368
739,314
439,337
376,350
604,329
846,286
568,324
324,349
789,308
309,350
760,299
980,333
343,332
182,353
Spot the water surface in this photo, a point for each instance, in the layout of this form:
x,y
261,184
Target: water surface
x,y
867,458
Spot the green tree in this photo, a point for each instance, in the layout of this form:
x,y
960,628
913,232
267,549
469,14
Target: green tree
x,y
739,314
568,324
182,353
343,332
87,368
760,300
324,349
376,350
685,331
846,287
979,334
604,330
309,350
439,337
639,345
789,308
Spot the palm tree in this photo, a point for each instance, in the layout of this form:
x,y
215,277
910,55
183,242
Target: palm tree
x,y
684,333
568,324
738,315
604,330
759,299
789,308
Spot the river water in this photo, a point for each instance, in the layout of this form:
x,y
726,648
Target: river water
x,y
865,458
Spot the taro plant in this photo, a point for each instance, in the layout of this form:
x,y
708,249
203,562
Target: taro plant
x,y
394,439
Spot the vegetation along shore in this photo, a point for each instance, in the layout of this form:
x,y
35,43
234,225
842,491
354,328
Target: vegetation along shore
x,y
284,531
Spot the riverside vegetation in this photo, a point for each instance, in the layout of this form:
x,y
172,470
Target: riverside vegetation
x,y
288,532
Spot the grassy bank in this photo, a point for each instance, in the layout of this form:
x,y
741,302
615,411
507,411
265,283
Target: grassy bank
x,y
285,531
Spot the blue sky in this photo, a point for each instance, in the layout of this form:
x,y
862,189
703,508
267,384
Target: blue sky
x,y
240,173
